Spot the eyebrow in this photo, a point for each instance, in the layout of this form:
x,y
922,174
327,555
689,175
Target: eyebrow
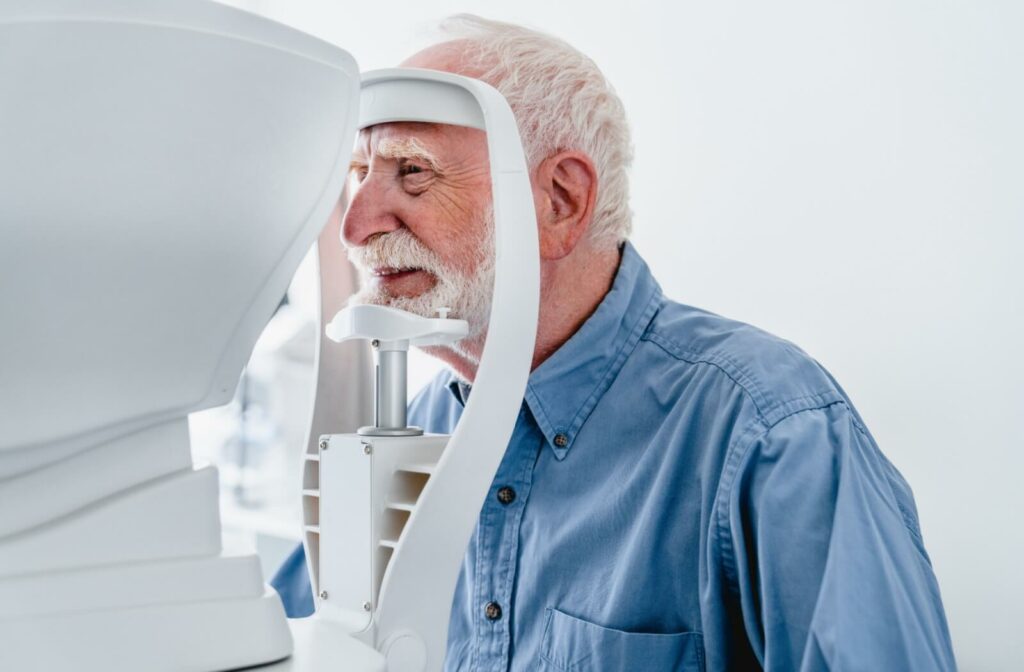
x,y
404,148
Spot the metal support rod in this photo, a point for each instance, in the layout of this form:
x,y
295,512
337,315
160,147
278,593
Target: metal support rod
x,y
391,389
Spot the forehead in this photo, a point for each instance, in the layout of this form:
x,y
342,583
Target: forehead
x,y
454,56
439,139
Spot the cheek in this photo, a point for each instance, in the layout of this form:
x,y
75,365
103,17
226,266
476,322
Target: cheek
x,y
449,243
454,234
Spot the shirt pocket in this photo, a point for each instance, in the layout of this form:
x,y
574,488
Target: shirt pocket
x,y
571,644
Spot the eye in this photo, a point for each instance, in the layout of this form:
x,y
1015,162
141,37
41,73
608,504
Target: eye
x,y
359,173
410,169
416,178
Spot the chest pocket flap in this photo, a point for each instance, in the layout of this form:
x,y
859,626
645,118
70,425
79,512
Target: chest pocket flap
x,y
571,644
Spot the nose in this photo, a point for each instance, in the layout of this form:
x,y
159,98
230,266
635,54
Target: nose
x,y
369,212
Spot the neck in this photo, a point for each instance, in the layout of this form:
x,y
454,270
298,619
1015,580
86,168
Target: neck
x,y
571,288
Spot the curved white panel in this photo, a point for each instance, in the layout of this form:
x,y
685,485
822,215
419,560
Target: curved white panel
x,y
415,598
164,171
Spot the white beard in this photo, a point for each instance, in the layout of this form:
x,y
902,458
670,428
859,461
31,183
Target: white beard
x,y
466,295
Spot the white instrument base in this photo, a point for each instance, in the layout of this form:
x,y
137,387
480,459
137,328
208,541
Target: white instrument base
x,y
182,637
321,645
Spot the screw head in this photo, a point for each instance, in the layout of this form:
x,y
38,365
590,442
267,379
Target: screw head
x,y
366,606
375,343
323,594
323,445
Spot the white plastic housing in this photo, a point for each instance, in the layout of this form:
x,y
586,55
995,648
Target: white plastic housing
x,y
164,168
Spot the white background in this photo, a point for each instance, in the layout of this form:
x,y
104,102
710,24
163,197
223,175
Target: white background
x,y
847,175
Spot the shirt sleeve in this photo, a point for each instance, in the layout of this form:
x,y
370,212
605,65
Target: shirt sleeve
x,y
292,583
829,564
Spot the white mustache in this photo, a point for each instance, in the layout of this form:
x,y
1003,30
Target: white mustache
x,y
398,249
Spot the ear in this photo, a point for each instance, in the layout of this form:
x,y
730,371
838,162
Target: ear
x,y
565,189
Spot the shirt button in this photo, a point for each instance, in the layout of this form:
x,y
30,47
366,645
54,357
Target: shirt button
x,y
492,611
506,495
561,440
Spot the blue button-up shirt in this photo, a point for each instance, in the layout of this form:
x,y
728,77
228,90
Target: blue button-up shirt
x,y
684,492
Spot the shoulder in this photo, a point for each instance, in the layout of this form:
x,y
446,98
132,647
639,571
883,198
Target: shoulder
x,y
435,408
778,377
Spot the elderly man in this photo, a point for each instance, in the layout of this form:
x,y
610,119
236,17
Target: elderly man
x,y
681,491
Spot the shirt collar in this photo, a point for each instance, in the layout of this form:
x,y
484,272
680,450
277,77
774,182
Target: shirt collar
x,y
459,388
562,392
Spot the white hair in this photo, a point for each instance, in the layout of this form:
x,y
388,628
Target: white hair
x,y
561,101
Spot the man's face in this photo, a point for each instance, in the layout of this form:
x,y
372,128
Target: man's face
x,y
419,225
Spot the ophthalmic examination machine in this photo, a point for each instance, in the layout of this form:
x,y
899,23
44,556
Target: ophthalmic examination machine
x,y
164,168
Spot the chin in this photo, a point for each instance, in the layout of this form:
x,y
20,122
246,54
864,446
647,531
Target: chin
x,y
422,304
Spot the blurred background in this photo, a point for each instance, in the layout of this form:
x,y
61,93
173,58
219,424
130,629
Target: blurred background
x,y
848,175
